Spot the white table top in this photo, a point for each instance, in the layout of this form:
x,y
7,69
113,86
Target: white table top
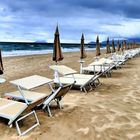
x,y
31,81
96,63
62,69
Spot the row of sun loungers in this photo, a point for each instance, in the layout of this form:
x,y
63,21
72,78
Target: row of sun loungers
x,y
25,99
105,65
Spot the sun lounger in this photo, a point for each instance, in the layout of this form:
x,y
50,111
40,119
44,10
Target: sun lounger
x,y
31,96
70,76
103,66
16,111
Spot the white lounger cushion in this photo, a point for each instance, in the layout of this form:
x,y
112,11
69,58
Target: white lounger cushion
x,y
96,68
70,80
11,109
80,79
80,76
29,95
106,61
101,61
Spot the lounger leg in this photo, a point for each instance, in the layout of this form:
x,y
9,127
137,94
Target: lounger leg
x,y
11,125
49,111
58,103
110,73
99,83
91,88
29,129
106,74
85,90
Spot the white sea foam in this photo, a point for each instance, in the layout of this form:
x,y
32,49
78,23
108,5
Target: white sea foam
x,y
35,52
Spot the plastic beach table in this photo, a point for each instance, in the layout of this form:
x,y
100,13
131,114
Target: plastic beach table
x,y
31,82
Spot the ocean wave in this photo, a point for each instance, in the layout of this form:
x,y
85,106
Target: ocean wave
x,y
35,52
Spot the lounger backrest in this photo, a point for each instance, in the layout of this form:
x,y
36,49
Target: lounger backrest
x,y
51,96
61,91
64,90
35,104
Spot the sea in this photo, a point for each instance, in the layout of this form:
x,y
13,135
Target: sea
x,y
10,49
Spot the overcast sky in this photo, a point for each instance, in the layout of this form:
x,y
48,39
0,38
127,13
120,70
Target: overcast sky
x,y
31,20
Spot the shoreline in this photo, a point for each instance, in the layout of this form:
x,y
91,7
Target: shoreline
x,y
41,52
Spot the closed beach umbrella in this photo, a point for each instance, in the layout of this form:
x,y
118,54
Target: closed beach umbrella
x,y
98,53
57,53
118,46
134,45
129,45
83,53
1,64
108,50
124,45
113,46
82,50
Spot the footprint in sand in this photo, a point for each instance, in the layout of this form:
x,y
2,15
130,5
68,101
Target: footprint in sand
x,y
138,116
136,77
92,109
83,130
93,119
131,136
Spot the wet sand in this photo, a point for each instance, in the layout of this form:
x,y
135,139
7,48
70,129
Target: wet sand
x,y
110,112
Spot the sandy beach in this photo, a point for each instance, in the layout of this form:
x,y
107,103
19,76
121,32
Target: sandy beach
x,y
110,112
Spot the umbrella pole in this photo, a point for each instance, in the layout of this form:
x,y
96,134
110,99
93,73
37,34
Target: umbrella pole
x,y
81,66
96,58
56,73
56,76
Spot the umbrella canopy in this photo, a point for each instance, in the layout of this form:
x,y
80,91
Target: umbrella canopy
x,y
98,53
129,45
108,50
134,44
118,46
82,50
113,46
57,53
1,64
124,45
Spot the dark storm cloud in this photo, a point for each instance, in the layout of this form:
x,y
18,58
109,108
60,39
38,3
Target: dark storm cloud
x,y
128,8
34,19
